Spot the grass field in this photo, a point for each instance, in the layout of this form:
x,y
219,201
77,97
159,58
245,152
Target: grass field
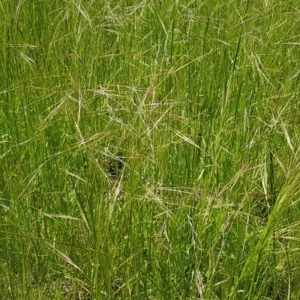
x,y
149,149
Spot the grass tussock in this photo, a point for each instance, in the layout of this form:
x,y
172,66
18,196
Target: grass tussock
x,y
149,150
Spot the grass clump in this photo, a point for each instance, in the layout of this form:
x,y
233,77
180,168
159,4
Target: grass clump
x,y
149,150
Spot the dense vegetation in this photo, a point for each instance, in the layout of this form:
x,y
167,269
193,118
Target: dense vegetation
x,y
149,149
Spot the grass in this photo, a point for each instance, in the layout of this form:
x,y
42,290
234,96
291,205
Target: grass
x,y
149,150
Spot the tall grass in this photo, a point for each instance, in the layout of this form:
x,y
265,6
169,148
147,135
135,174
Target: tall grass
x,y
149,150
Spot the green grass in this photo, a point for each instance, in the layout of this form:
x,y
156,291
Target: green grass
x,y
194,104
